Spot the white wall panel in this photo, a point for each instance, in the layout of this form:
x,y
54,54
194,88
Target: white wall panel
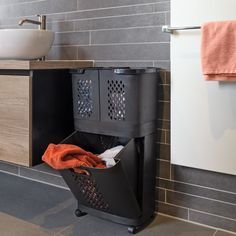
x,y
203,113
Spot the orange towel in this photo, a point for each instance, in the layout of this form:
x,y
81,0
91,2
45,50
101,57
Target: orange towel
x,y
64,156
218,50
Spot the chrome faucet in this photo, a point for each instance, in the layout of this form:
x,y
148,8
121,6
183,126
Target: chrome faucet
x,y
41,22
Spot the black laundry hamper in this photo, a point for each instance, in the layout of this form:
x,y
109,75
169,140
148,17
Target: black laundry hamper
x,y
116,106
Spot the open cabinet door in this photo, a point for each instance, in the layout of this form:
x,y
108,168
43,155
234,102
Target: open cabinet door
x,y
203,114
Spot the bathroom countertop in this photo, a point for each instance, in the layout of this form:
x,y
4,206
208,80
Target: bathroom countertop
x,y
44,65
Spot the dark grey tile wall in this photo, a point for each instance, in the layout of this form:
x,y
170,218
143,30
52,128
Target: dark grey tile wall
x,y
111,32
128,33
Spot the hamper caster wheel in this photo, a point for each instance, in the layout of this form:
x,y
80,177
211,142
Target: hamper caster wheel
x,y
138,228
133,229
79,213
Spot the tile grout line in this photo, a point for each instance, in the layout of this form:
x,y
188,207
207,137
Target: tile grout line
x,y
40,171
164,130
164,101
190,209
77,53
33,179
165,18
163,160
214,234
200,196
207,213
20,3
105,17
124,60
157,187
114,7
185,193
114,29
90,38
121,6
196,185
87,10
77,4
74,28
111,44
167,203
163,144
112,16
193,195
165,84
62,230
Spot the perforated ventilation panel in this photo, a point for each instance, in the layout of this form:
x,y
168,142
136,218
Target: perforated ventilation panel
x,y
116,100
84,98
90,191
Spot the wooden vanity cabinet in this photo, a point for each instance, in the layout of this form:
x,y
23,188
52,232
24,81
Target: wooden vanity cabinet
x,y
35,110
15,119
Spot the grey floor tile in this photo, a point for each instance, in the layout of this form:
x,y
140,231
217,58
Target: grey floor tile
x,y
48,207
161,226
7,167
212,220
40,209
165,226
221,233
21,228
93,226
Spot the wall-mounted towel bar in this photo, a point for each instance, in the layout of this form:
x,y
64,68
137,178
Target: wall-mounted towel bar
x,y
169,29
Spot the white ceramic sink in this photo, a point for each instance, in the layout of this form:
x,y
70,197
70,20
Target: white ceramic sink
x,y
25,44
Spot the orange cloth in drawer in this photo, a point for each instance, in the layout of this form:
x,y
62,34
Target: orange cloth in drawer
x,y
65,156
